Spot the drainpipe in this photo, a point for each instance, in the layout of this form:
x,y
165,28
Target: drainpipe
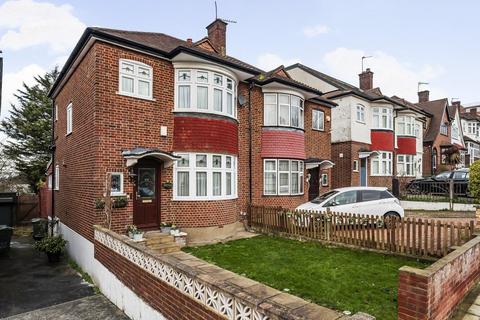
x,y
250,161
52,149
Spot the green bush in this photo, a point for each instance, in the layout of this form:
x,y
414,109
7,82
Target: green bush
x,y
54,244
474,181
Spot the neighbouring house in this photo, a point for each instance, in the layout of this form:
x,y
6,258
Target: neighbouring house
x,y
374,137
471,125
443,145
184,132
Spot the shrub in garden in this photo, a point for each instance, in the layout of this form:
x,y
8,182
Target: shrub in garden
x,y
474,180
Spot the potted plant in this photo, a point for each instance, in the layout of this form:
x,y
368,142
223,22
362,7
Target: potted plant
x,y
52,246
131,229
174,230
165,227
137,235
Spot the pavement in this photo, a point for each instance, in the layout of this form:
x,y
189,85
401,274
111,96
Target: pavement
x,y
32,288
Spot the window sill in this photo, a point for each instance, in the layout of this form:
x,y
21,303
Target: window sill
x,y
319,130
207,112
68,134
203,199
118,194
380,175
361,122
284,127
135,96
381,129
283,195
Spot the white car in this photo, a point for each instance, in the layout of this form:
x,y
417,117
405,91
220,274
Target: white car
x,y
357,200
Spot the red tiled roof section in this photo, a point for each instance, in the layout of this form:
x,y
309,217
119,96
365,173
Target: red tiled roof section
x,y
436,108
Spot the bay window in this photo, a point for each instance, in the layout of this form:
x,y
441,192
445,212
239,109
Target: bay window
x,y
406,165
282,109
406,126
135,79
205,176
382,164
282,177
382,118
205,91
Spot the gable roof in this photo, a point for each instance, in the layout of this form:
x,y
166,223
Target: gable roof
x,y
345,88
411,106
437,109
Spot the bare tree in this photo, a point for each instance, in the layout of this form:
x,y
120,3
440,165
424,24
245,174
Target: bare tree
x,y
107,210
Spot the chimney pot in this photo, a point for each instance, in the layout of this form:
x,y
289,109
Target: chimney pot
x,y
424,96
189,41
473,111
217,34
366,79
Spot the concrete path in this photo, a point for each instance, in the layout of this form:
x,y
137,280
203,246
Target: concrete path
x,y
469,308
91,308
28,282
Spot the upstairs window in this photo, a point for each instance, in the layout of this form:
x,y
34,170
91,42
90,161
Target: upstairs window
x,y
135,79
318,120
472,128
360,113
382,118
444,129
205,91
455,131
283,110
57,177
69,119
406,126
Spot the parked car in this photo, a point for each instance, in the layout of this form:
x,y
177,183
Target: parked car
x,y
357,200
440,184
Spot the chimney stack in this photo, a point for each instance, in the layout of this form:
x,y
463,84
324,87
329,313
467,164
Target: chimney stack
x,y
473,111
424,96
366,79
217,34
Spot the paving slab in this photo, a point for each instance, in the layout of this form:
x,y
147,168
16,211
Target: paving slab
x,y
90,308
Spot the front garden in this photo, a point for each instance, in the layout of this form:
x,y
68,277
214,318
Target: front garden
x,y
338,278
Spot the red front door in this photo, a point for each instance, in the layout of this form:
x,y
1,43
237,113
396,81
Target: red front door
x,y
146,204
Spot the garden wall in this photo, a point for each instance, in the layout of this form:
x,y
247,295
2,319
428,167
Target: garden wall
x,y
181,286
433,293
435,206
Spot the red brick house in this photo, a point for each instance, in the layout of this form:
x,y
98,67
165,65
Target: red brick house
x,y
188,134
444,135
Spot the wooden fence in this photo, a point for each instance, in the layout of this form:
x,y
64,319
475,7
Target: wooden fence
x,y
409,236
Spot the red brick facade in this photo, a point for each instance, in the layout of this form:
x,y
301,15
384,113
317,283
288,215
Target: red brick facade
x,y
105,123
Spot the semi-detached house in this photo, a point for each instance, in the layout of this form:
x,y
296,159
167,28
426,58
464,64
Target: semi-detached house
x,y
374,137
187,133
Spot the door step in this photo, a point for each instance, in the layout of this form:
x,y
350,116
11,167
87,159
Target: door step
x,y
161,242
165,247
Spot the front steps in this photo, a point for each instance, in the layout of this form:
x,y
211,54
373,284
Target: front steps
x,y
161,242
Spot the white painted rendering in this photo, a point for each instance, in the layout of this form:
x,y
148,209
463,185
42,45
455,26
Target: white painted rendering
x,y
82,251
435,206
305,77
456,122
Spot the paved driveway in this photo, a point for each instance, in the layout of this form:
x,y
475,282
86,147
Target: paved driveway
x,y
29,283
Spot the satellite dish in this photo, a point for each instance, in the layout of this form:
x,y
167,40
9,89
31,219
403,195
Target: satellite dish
x,y
242,100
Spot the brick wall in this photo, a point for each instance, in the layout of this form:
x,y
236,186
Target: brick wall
x,y
433,293
159,295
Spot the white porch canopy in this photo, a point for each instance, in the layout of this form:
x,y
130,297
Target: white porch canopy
x,y
322,163
132,156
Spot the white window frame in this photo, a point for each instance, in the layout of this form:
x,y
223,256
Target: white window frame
x,y
444,129
121,192
406,126
385,161
355,165
360,113
300,172
316,114
69,118
324,180
136,77
228,95
57,177
276,123
378,115
49,182
209,169
406,165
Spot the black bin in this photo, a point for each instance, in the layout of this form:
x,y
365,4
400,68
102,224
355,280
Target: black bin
x,y
8,205
40,228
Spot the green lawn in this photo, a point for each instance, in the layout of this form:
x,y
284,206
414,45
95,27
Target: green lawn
x,y
339,278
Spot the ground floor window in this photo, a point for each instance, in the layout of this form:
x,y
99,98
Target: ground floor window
x,y
282,177
406,165
324,180
205,176
116,183
382,164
